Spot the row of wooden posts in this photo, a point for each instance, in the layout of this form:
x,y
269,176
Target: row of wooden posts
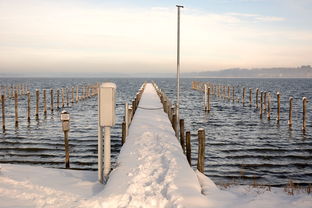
x,y
87,91
224,92
184,137
129,113
9,90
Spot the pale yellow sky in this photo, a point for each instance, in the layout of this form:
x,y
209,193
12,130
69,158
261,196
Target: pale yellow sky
x,y
73,36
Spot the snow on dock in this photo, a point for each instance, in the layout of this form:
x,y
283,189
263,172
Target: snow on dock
x,y
152,170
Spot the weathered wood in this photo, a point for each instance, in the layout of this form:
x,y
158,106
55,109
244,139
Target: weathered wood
x,y
3,112
201,150
123,132
67,96
66,149
58,98
16,107
174,123
261,105
269,106
208,99
228,93
257,98
73,98
52,100
188,147
278,107
37,104
28,106
304,113
182,140
44,101
205,97
250,97
264,101
77,94
63,98
244,93
233,94
290,112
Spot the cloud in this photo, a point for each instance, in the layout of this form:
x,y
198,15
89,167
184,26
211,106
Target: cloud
x,y
77,36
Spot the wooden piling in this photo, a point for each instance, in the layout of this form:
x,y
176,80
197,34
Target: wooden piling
x,y
188,147
290,112
182,135
37,104
304,113
3,112
66,149
205,97
261,104
44,101
269,106
72,95
250,97
174,123
201,150
58,98
123,132
278,107
28,106
228,93
67,97
77,94
264,101
63,98
52,101
233,94
16,107
244,93
257,96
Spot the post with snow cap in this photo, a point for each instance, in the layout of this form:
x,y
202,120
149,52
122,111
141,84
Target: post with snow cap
x,y
65,127
106,106
178,67
201,150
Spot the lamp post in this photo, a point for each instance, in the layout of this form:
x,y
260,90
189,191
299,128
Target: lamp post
x,y
178,69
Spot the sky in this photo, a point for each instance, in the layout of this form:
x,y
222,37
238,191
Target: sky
x,y
139,36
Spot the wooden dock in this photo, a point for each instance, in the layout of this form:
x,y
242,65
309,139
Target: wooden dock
x,y
152,170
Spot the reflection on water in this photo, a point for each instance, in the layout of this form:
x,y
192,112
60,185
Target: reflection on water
x,y
238,144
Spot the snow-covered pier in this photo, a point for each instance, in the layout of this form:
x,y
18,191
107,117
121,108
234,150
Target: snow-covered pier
x,y
152,170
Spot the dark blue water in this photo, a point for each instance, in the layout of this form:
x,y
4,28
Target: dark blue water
x,y
239,145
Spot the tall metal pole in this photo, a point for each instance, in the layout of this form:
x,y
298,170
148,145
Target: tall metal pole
x,y
178,69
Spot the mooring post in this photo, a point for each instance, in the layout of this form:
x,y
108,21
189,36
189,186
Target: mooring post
x,y
16,107
37,104
126,118
63,98
244,93
65,127
205,97
201,150
73,97
265,101
28,106
67,96
250,97
77,94
52,101
182,135
174,123
257,96
44,101
233,94
208,99
58,99
290,112
278,107
304,114
228,93
261,105
269,106
3,112
123,132
188,147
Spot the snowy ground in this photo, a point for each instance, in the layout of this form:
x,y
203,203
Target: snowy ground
x,y
152,171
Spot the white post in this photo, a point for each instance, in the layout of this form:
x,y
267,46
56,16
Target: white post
x,y
107,151
178,69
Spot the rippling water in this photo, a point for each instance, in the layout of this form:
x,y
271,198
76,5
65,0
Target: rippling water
x,y
239,145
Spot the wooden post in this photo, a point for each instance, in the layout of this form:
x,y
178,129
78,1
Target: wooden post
x,y
233,94
205,97
28,106
77,94
52,101
261,104
278,107
16,107
73,95
229,93
126,117
290,112
3,112
123,132
66,149
250,97
58,98
67,97
265,101
201,150
63,98
182,135
304,113
244,92
257,96
269,106
208,99
188,147
174,123
45,102
37,104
